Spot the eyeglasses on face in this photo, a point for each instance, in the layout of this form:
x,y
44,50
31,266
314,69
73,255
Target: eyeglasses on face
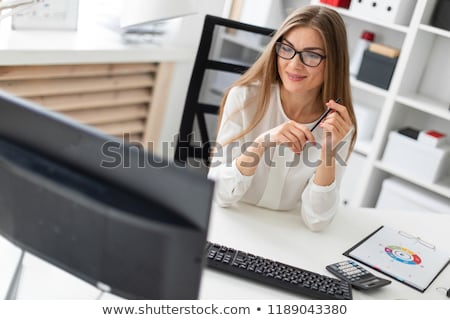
x,y
308,58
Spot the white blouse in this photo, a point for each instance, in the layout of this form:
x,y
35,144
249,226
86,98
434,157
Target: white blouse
x,y
283,180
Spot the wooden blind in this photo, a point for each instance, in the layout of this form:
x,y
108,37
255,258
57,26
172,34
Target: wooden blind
x,y
116,98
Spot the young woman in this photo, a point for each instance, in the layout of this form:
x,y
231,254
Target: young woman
x,y
266,153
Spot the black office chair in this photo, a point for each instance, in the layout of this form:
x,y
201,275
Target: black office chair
x,y
227,48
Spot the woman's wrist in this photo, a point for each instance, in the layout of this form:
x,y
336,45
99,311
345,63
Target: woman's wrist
x,y
326,171
327,155
249,159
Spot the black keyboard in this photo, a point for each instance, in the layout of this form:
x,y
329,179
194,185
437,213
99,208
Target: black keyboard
x,y
276,274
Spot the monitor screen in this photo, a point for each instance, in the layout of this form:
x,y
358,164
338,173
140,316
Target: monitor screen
x,y
104,210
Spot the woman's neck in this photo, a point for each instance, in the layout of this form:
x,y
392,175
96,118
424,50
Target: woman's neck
x,y
301,107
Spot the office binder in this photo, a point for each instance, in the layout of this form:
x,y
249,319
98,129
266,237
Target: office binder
x,y
402,256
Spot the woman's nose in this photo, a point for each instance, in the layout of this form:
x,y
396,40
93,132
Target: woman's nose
x,y
296,62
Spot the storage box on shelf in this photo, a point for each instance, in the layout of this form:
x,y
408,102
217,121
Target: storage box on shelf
x,y
337,3
441,15
378,64
419,163
391,11
377,69
397,194
412,157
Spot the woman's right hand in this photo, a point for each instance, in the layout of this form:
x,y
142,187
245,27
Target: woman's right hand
x,y
290,133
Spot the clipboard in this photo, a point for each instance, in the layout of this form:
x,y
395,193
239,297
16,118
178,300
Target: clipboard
x,y
401,256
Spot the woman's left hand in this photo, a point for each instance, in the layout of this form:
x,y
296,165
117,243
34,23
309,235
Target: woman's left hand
x,y
336,125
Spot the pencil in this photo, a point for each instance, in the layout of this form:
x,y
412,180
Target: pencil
x,y
324,115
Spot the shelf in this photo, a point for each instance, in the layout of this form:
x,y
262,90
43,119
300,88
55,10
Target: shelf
x,y
434,30
233,61
244,42
350,14
425,104
367,87
363,147
442,187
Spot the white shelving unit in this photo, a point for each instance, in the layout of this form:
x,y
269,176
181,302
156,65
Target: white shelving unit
x,y
418,95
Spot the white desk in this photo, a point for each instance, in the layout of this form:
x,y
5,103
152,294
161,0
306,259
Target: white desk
x,y
282,236
275,235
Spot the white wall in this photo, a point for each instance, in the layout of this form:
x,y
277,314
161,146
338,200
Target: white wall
x,y
188,35
266,13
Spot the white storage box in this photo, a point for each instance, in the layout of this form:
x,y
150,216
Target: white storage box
x,y
397,194
390,11
415,159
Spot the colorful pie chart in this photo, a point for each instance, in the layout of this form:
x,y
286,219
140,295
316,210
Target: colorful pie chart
x,y
403,255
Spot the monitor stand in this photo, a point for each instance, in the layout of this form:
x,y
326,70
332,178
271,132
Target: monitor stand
x,y
11,294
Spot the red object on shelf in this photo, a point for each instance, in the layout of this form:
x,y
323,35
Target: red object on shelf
x,y
435,134
337,3
367,35
432,137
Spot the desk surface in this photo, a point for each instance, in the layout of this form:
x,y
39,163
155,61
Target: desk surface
x,y
282,236
276,235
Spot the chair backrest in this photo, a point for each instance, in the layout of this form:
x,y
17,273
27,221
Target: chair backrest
x,y
227,49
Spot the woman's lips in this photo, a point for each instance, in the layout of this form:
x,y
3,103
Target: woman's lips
x,y
295,77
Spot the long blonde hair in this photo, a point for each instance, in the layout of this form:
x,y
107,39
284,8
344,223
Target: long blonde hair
x,y
336,78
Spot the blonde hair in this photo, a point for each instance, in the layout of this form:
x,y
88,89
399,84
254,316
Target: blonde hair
x,y
264,71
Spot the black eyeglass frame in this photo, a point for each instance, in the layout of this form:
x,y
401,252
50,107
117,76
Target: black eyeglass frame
x,y
278,45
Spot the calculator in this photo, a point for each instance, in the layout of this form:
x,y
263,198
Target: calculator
x,y
356,275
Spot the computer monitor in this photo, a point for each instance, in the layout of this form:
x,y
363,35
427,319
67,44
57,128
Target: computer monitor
x,y
88,203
